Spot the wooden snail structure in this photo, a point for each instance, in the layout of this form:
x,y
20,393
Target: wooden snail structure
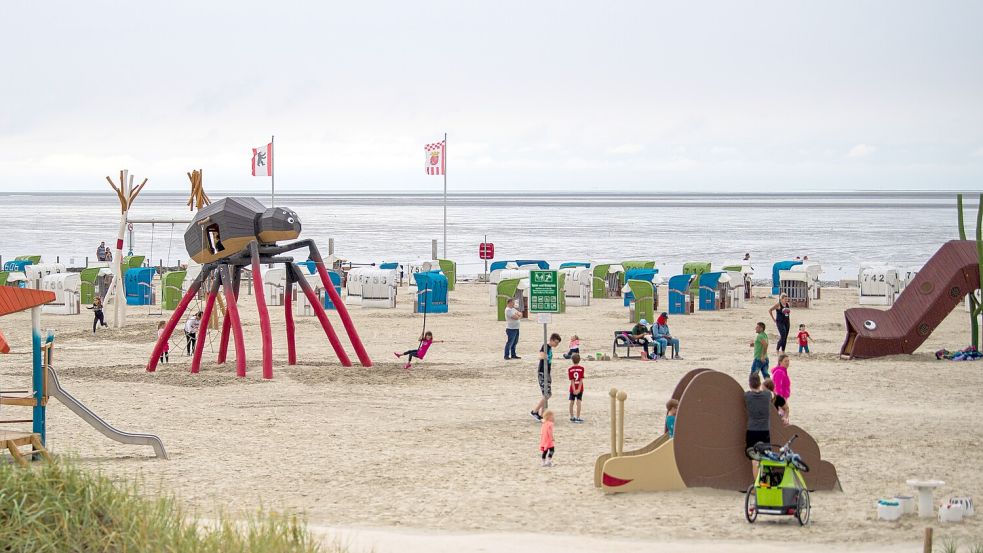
x,y
230,234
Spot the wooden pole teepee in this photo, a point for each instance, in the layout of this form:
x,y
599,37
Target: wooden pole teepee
x,y
127,194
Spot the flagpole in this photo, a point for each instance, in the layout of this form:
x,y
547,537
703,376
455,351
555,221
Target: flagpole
x,y
444,162
272,178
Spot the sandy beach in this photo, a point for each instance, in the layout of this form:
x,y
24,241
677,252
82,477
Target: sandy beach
x,y
444,456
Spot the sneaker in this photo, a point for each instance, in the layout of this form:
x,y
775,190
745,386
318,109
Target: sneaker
x,y
407,366
548,463
536,416
573,419
516,357
578,420
678,357
397,354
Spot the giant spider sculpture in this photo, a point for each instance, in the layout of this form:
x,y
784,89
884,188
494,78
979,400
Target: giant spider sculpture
x,y
225,237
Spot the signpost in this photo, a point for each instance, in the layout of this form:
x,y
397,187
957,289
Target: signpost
x,y
544,299
486,251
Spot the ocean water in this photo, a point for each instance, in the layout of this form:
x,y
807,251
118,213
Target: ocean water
x,y
839,230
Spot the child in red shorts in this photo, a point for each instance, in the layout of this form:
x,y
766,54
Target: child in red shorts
x,y
576,376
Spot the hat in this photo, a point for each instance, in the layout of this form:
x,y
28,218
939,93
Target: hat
x,y
664,314
643,321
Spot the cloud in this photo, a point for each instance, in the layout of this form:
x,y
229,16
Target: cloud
x,y
978,152
861,150
626,149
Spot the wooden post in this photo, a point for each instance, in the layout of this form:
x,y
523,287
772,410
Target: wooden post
x,y
927,546
614,422
622,396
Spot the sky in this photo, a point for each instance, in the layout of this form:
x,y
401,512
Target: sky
x,y
769,96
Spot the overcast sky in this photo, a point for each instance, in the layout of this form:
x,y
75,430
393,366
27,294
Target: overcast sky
x,y
657,96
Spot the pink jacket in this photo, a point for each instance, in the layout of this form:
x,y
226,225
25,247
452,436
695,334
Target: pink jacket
x,y
783,387
546,436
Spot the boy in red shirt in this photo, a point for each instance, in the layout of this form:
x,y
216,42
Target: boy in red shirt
x,y
576,376
803,339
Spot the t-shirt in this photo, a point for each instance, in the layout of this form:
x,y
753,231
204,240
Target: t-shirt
x,y
192,325
759,345
549,357
424,346
758,406
803,338
576,375
511,322
574,344
671,425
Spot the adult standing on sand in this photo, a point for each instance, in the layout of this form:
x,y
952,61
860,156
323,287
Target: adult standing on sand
x,y
781,313
757,402
512,316
101,251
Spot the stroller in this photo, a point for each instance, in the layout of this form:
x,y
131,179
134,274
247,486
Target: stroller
x,y
779,487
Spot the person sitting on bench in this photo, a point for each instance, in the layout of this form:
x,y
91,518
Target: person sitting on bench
x,y
641,336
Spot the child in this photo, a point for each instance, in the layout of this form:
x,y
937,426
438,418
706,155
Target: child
x,y
191,332
425,341
573,348
98,318
760,345
546,444
576,376
167,345
671,407
803,339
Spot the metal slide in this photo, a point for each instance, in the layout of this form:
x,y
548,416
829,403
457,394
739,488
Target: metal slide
x,y
56,391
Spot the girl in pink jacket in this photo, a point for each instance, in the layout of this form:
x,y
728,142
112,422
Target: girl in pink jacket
x,y
546,439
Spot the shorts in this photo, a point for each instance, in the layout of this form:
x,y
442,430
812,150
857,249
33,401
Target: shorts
x,y
754,436
578,396
545,381
803,348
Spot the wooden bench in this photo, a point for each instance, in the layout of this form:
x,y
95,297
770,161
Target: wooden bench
x,y
623,339
13,441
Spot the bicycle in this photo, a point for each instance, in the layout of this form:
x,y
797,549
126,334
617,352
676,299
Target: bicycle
x,y
779,487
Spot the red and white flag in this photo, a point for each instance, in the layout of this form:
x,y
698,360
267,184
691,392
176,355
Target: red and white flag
x,y
263,161
435,157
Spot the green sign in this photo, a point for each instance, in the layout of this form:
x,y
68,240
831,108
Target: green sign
x,y
544,292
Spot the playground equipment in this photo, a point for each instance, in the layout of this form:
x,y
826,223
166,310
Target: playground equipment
x,y
681,294
115,298
955,271
66,287
431,292
707,450
878,283
379,288
45,385
608,280
139,286
779,487
696,268
715,291
577,284
776,269
513,288
224,237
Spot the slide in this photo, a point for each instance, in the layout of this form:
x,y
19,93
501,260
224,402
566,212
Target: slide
x,y
951,274
56,391
708,448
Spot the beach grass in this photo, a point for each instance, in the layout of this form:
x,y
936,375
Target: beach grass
x,y
57,507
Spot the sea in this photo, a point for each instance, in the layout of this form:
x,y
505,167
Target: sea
x,y
839,230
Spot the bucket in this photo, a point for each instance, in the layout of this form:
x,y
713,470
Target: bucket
x,y
888,509
907,503
951,513
967,504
